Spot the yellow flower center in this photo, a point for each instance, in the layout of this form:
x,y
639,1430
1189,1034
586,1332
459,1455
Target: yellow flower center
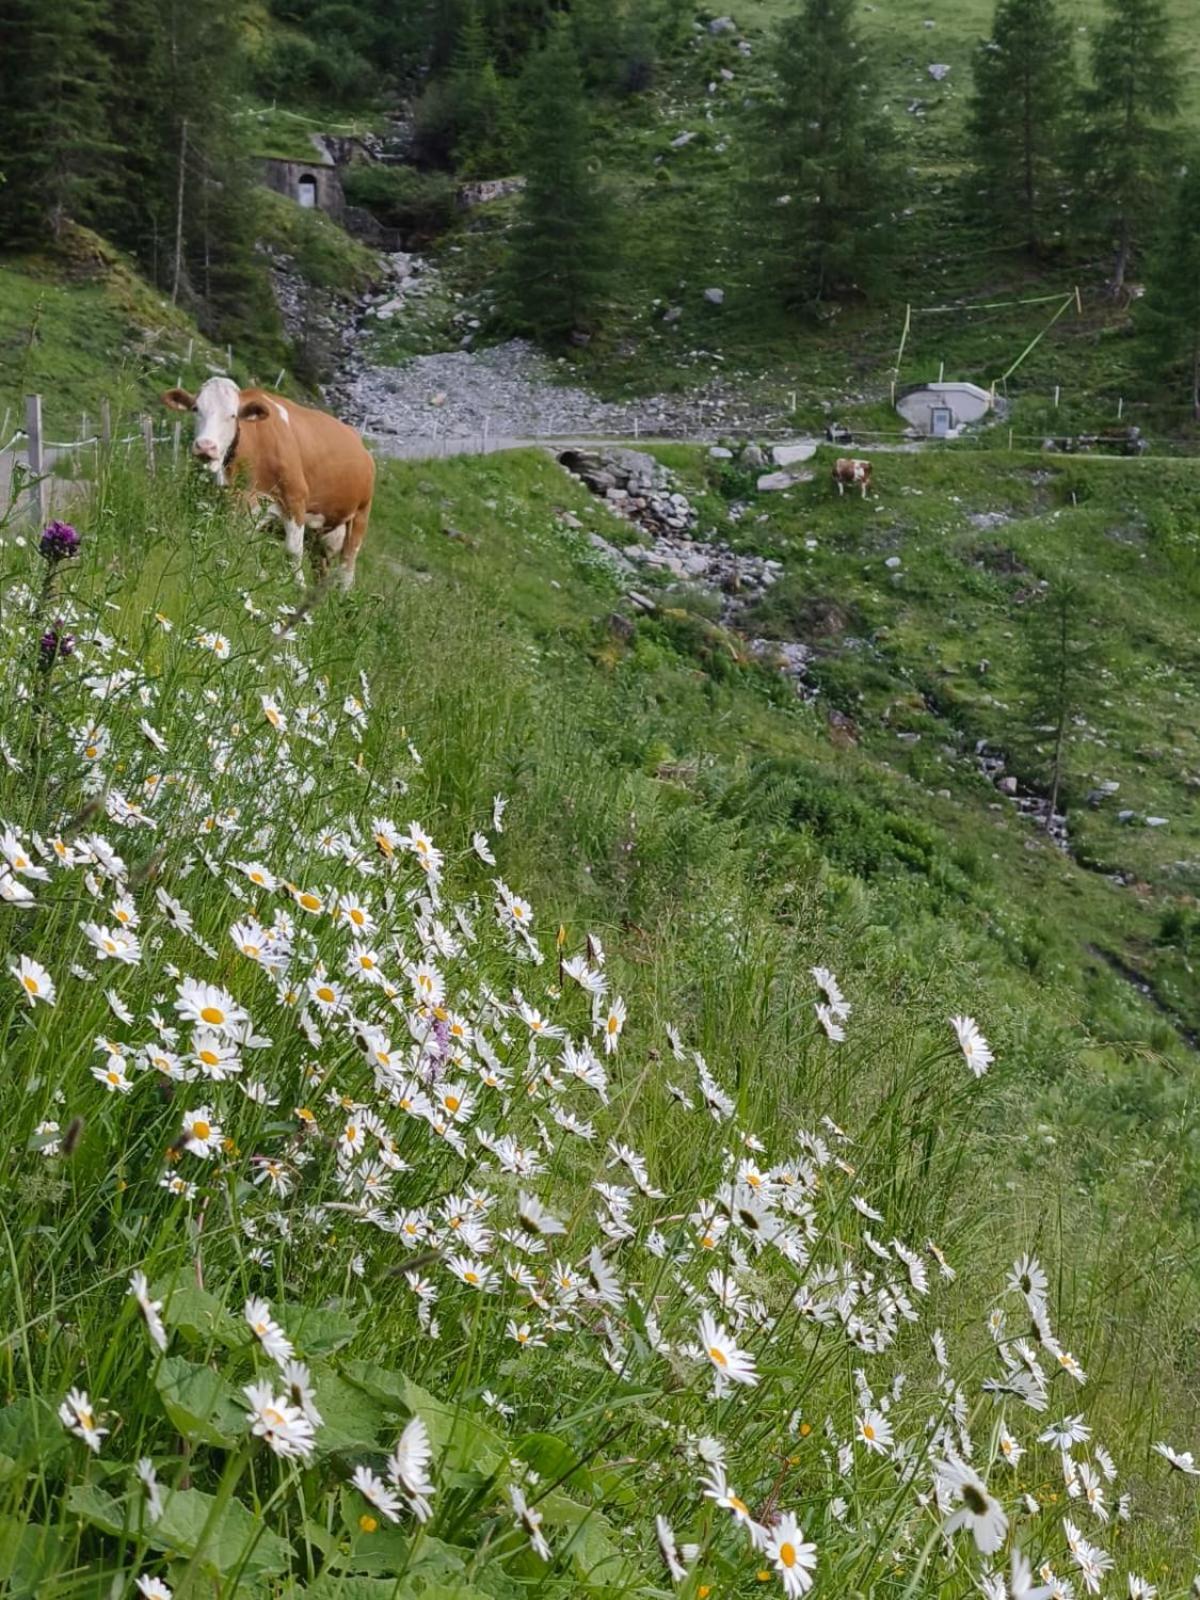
x,y
326,994
256,877
110,945
868,1431
471,1277
451,1102
787,1555
113,1077
719,1356
367,963
30,983
310,902
210,1058
201,1130
518,912
739,1505
351,1133
356,917
213,1015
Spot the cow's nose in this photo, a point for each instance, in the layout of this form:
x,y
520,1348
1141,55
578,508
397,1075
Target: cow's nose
x,y
206,449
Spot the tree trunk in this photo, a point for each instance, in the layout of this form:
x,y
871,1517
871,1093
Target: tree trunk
x,y
183,132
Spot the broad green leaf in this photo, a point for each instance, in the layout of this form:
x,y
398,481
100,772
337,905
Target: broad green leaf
x,y
352,1420
28,1553
198,1315
203,1407
30,1431
555,1461
181,1528
317,1330
462,1441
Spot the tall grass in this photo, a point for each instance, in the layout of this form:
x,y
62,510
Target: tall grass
x,y
408,1043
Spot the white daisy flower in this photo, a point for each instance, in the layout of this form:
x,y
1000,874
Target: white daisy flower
x,y
35,981
140,1289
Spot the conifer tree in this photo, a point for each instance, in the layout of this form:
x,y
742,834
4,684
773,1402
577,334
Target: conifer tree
x,y
480,102
1169,316
561,255
1133,102
54,135
819,151
1021,116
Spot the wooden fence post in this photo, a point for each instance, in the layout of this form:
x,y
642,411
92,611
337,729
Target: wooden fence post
x,y
35,454
176,436
148,440
105,424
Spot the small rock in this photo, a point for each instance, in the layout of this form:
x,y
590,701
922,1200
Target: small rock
x,y
715,297
620,627
718,452
1007,785
720,25
641,601
1156,822
752,456
672,313
892,561
682,140
770,482
937,70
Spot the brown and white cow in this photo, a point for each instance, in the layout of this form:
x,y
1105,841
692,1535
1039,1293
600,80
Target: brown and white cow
x,y
312,469
847,471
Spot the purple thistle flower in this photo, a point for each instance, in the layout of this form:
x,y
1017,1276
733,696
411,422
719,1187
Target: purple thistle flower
x,y
439,1042
60,540
54,644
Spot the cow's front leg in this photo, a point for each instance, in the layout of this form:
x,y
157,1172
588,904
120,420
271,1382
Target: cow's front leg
x,y
293,543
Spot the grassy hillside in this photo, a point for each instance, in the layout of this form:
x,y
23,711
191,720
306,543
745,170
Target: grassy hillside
x,y
684,228
688,813
79,325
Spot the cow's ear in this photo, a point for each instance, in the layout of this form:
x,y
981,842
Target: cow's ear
x,y
252,411
179,400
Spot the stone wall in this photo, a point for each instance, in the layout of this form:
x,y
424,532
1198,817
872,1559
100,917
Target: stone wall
x,y
286,177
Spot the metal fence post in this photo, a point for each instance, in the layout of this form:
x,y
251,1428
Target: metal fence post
x,y
35,454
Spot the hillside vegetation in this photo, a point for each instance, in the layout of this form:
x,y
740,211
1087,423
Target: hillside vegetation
x,y
293,1037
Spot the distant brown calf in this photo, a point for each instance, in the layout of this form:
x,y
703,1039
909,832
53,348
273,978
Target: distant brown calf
x,y
847,470
314,470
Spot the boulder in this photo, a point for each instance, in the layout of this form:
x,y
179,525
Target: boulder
x,y
771,481
718,452
787,455
752,456
720,25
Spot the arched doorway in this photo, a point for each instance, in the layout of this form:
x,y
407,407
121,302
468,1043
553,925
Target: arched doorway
x,y
306,192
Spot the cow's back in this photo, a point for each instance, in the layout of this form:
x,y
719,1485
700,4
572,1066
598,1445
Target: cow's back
x,y
337,469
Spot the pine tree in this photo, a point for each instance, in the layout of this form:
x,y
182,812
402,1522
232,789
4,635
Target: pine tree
x,y
1021,114
480,102
1058,673
562,252
1169,316
54,136
1134,99
822,180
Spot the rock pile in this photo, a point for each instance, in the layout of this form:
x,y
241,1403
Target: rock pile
x,y
638,488
1034,806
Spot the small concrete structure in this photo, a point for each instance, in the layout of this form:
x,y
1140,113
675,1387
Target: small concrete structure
x,y
941,410
313,184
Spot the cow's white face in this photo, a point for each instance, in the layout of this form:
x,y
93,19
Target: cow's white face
x,y
216,420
